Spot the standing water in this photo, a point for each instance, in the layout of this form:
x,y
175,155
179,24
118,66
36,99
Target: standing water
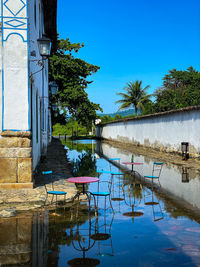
x,y
138,224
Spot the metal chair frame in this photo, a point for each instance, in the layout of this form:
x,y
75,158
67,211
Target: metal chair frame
x,y
105,194
150,200
156,171
53,192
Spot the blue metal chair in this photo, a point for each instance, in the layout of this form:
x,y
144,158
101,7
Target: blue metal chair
x,y
52,192
156,171
102,193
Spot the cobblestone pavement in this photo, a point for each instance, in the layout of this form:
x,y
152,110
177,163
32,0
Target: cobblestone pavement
x,y
14,200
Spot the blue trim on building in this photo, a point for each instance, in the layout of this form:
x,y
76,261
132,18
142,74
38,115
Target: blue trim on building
x,y
28,66
2,107
15,28
22,29
8,17
10,23
12,33
15,14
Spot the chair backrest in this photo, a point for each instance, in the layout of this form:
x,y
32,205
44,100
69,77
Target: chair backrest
x,y
157,168
106,185
48,175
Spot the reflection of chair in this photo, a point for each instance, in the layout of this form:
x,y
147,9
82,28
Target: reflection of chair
x,y
133,199
114,161
116,194
149,200
102,235
157,168
81,241
52,191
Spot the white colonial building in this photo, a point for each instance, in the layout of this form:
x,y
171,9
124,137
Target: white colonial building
x,y
25,124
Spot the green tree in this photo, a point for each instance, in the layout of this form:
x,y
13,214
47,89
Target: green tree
x,y
71,73
135,96
180,89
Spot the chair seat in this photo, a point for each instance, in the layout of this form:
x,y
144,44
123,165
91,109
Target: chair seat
x,y
57,192
150,176
100,193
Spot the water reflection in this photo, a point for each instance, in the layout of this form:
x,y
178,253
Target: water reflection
x,y
24,240
151,200
167,234
185,175
182,183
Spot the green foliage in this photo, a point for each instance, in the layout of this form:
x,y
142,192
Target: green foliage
x,y
108,118
71,74
79,146
68,128
123,113
85,165
135,96
180,89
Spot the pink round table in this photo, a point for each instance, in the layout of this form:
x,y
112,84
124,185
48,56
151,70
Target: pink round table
x,y
132,163
83,180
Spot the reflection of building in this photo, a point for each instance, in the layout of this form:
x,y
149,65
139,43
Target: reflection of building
x,y
24,105
22,240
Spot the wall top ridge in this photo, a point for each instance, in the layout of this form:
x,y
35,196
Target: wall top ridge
x,y
159,114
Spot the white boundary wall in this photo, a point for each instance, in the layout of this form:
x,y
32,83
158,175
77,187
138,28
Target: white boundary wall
x,y
164,131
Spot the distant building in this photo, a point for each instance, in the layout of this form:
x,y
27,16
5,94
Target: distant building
x,y
25,125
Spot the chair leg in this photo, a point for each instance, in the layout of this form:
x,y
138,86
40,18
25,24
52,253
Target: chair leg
x,y
46,200
111,204
56,201
52,199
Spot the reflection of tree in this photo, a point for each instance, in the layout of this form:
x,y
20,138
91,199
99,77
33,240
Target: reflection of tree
x,y
85,165
75,145
134,188
58,231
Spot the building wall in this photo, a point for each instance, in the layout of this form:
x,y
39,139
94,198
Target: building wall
x,y
23,93
38,83
164,132
15,107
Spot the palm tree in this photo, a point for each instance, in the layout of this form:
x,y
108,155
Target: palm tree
x,y
135,96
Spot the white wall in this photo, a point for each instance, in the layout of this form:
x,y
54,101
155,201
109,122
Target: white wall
x,y
15,108
165,132
22,80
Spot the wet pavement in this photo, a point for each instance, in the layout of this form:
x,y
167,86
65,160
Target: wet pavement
x,y
15,200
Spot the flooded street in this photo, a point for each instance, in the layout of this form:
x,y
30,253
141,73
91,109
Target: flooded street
x,y
138,224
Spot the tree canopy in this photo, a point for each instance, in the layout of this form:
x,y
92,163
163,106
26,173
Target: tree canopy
x,y
71,73
180,89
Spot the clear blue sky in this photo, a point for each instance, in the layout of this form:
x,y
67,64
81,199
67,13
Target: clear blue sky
x,y
131,39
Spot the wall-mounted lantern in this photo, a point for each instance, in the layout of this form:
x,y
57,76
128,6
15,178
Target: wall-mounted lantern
x,y
44,45
54,107
185,175
185,150
53,87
